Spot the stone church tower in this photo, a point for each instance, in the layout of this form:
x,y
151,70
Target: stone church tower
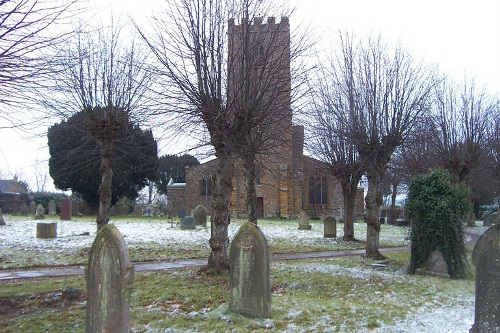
x,y
259,79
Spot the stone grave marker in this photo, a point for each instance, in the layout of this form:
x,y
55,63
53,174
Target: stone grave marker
x,y
138,211
109,276
486,258
188,223
46,230
250,282
434,266
304,221
24,209
200,215
66,209
52,207
40,212
75,207
32,208
182,213
2,221
148,211
330,227
122,210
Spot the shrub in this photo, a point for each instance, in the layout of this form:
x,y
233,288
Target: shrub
x,y
436,209
45,197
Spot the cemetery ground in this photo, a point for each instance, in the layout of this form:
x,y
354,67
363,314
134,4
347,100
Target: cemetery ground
x,y
338,294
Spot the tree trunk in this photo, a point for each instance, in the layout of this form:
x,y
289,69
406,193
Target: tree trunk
x,y
373,201
349,203
106,183
251,192
394,195
221,199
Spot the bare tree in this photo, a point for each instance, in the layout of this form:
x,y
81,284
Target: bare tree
x,y
462,114
235,104
107,80
190,42
27,31
333,95
391,93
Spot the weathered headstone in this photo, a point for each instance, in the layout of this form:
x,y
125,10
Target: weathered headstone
x,y
148,211
491,219
24,209
2,221
52,207
66,208
434,266
109,276
122,210
32,208
46,230
182,213
330,227
188,223
112,210
138,211
40,212
250,273
304,221
200,215
486,258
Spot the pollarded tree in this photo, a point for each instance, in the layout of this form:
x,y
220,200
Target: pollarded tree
x,y
392,91
108,81
75,159
191,44
333,94
463,115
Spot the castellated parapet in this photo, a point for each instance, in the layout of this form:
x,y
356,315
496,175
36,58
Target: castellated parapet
x,y
258,23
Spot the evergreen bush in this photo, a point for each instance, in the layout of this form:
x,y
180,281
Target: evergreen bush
x,y
436,209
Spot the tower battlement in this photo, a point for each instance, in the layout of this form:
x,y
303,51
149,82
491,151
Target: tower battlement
x,y
258,23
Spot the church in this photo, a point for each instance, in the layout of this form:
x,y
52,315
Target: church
x,y
287,181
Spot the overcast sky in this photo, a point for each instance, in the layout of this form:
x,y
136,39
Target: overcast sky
x,y
462,37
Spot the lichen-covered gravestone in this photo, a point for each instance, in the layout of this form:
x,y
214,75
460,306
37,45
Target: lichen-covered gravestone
x,y
138,211
486,258
32,208
46,230
66,209
109,276
40,212
187,223
250,273
434,266
200,215
304,221
52,207
330,227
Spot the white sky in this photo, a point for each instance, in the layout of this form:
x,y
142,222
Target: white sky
x,y
462,37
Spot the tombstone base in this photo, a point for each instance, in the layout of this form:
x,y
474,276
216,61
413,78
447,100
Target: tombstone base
x,y
425,272
46,230
305,227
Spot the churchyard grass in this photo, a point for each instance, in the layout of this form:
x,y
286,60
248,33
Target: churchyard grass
x,y
154,239
343,294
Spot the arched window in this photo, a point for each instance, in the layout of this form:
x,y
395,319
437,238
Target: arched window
x,y
318,190
206,185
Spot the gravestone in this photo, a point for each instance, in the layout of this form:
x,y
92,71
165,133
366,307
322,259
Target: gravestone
x,y
486,258
2,221
148,211
122,210
109,276
250,282
32,208
52,207
75,207
434,266
200,215
182,213
491,219
66,209
46,230
330,227
40,212
188,223
112,210
138,211
24,209
304,221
